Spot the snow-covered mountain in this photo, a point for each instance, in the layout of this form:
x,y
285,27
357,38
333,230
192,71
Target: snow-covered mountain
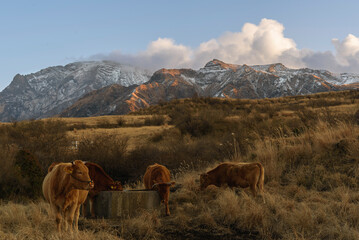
x,y
215,79
100,88
51,90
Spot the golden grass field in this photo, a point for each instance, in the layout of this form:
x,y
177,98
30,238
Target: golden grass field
x,y
308,145
136,135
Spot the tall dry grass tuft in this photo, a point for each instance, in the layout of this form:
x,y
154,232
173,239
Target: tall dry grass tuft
x,y
145,226
34,221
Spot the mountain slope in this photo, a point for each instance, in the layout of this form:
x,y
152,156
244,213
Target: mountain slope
x,y
219,79
51,90
82,88
104,101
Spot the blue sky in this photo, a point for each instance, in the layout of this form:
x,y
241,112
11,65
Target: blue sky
x,y
153,34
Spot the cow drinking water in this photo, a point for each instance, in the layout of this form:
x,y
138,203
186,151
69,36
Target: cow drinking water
x,y
102,182
158,177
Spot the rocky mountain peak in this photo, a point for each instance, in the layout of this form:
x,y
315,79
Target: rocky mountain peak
x,y
172,72
216,64
271,68
277,67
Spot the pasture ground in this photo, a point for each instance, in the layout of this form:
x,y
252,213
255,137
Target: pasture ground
x,y
308,145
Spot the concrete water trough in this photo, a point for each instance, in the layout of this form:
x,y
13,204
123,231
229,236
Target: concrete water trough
x,y
122,204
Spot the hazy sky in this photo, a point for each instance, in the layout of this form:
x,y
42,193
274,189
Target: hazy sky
x,y
154,34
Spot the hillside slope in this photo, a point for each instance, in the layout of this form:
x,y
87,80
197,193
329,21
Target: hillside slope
x,y
219,79
51,90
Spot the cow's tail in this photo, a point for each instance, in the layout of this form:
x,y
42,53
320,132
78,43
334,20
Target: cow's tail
x,y
260,183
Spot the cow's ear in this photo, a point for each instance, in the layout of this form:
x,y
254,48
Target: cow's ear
x,y
69,169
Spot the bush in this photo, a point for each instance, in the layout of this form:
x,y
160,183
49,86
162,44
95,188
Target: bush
x,y
156,120
106,150
196,124
47,140
121,122
174,154
105,123
30,172
21,175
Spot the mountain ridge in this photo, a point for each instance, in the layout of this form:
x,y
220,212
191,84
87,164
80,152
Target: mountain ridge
x,y
102,88
51,90
219,79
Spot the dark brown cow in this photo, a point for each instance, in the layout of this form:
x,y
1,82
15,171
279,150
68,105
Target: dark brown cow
x,y
235,175
65,187
103,182
158,177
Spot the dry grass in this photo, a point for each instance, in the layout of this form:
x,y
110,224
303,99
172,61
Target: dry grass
x,y
112,119
136,135
290,212
308,145
35,221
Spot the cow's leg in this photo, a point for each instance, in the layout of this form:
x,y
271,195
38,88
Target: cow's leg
x,y
76,218
254,189
167,209
58,217
92,207
83,210
65,214
70,216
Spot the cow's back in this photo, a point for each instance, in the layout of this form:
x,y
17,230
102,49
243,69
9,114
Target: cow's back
x,y
98,174
49,185
219,175
156,173
244,174
53,182
46,187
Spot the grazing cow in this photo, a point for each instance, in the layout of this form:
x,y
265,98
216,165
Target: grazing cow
x,y
157,177
235,175
102,181
66,187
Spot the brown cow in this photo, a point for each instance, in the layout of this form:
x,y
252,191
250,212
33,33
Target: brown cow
x,y
102,181
235,175
158,177
66,187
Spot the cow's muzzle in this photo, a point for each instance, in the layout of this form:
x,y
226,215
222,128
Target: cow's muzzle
x,y
163,183
90,183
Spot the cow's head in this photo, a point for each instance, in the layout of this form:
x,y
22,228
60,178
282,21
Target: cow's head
x,y
163,189
116,186
79,175
204,181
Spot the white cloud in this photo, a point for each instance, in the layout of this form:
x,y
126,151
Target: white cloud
x,y
255,44
347,50
162,53
260,44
